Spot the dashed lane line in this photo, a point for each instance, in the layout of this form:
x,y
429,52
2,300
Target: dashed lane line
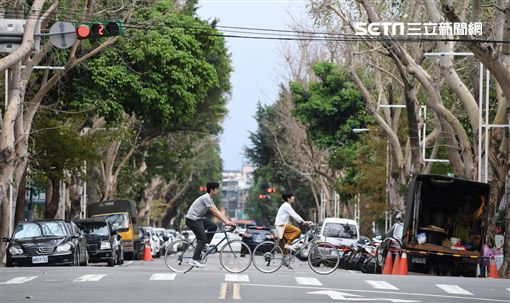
x,y
236,278
19,280
381,284
308,281
454,289
160,277
89,278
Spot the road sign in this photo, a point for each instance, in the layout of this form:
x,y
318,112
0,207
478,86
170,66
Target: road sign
x,y
11,35
62,34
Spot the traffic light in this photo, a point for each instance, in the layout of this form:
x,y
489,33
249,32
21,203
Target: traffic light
x,y
271,190
99,29
262,197
202,188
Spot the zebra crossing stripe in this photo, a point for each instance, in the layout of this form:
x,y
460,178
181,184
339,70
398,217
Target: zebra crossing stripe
x,y
19,280
454,289
381,284
163,277
307,281
236,278
89,278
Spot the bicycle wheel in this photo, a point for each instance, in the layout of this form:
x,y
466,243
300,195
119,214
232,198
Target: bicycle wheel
x,y
178,254
323,258
268,257
235,256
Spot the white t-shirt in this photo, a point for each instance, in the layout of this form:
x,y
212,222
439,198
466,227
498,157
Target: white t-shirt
x,y
284,212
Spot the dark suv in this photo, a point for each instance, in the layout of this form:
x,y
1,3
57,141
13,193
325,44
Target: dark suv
x,y
103,243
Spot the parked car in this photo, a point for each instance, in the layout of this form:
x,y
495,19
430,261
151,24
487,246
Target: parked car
x,y
340,232
46,242
153,239
103,242
254,235
218,241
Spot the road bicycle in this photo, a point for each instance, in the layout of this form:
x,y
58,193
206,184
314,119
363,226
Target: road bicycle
x,y
323,257
235,255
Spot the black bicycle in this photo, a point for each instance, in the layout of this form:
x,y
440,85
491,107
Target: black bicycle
x,y
235,256
323,257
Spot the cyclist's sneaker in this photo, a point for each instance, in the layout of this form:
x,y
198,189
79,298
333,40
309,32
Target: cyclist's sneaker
x,y
195,263
289,248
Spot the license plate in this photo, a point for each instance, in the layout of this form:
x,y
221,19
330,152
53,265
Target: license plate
x,y
418,260
39,259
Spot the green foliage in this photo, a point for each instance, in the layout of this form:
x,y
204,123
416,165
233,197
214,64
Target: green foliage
x,y
330,108
172,75
58,147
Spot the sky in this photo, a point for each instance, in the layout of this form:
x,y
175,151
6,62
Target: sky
x,y
257,64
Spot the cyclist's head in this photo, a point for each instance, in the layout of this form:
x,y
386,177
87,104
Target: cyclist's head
x,y
286,195
212,185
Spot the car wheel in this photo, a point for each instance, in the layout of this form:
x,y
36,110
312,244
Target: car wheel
x,y
112,262
76,259
86,259
120,259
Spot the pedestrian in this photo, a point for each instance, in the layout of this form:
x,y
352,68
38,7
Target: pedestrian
x,y
282,222
198,223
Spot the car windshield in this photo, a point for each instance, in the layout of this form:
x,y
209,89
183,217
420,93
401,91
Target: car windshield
x,y
118,220
39,229
340,230
95,228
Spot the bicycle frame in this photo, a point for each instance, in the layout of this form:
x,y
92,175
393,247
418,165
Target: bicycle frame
x,y
209,252
314,240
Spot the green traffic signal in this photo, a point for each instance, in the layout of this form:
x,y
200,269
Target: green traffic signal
x,y
99,29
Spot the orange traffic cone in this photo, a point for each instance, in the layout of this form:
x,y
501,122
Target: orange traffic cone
x,y
402,267
493,269
147,254
388,264
395,269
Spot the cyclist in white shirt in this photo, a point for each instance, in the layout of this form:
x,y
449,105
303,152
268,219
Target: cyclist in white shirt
x,y
290,232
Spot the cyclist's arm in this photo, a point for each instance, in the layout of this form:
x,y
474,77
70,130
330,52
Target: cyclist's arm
x,y
218,214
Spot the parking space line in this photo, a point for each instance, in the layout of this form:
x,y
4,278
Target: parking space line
x,y
223,291
89,278
163,277
454,289
236,292
380,284
307,281
19,280
236,278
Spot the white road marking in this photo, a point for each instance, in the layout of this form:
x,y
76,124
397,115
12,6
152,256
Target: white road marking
x,y
89,278
19,280
381,284
365,291
236,292
163,277
223,291
307,281
236,278
454,289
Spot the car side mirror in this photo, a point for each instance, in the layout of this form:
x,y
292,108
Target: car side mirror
x,y
165,238
7,240
76,235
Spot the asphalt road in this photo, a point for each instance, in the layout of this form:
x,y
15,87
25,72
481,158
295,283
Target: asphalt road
x,y
139,281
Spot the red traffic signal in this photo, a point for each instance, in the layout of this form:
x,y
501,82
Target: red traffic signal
x,y
99,29
271,190
262,197
202,188
83,31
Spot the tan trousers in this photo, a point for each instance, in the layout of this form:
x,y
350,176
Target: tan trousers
x,y
290,234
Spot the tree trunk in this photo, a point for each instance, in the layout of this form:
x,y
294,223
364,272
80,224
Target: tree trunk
x,y
52,198
20,200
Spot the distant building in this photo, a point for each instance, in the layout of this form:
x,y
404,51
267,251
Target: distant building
x,y
234,191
